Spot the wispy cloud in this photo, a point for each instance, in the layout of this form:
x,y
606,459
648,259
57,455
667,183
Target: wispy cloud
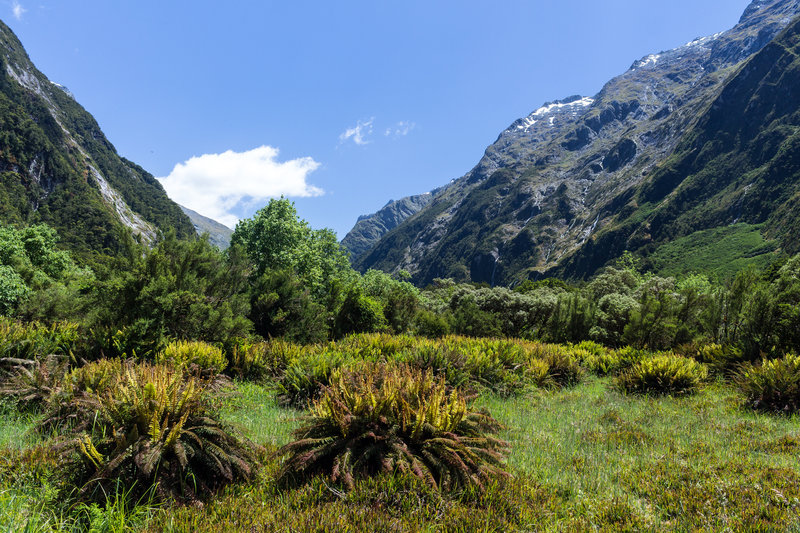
x,y
215,184
359,133
401,129
18,10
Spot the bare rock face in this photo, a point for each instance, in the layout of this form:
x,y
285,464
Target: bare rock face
x,y
370,228
573,170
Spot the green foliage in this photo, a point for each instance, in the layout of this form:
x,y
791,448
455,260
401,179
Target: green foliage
x,y
721,359
597,358
399,300
773,385
563,367
359,313
571,319
663,374
186,354
394,420
496,312
430,324
12,289
34,340
650,325
470,319
281,307
275,238
305,377
721,252
32,385
180,289
38,280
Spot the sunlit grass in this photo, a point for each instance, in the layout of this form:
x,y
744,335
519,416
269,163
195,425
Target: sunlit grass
x,y
595,443
16,429
584,458
255,410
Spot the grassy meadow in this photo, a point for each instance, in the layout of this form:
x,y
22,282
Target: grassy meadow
x,y
584,455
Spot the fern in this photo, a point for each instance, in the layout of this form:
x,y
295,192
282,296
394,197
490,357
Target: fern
x,y
394,419
155,426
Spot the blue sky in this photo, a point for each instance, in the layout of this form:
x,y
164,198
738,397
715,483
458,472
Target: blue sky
x,y
340,105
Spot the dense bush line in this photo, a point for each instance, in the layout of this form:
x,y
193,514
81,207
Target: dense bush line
x,y
282,279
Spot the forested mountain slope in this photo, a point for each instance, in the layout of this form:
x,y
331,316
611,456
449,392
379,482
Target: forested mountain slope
x,y
57,167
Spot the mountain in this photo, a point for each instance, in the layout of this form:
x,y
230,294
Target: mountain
x,y
370,228
57,167
219,235
579,180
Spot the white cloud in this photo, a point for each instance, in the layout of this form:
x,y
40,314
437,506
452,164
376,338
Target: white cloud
x,y
18,10
215,184
401,129
358,133
404,128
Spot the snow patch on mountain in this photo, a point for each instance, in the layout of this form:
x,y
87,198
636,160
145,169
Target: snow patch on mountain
x,y
571,105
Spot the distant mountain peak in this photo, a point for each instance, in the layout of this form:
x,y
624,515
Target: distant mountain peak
x,y
571,106
549,191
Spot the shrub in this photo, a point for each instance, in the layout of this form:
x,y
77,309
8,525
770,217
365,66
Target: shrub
x,y
155,426
306,376
563,369
62,410
442,362
772,385
628,356
359,313
34,340
537,373
597,358
496,365
430,324
663,374
94,377
186,354
722,359
33,383
394,419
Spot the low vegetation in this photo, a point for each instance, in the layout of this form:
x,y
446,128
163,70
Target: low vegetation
x,y
273,387
394,420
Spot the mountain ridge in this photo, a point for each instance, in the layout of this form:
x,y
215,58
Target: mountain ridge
x,y
552,179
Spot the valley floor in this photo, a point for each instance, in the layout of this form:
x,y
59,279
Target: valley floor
x,y
585,458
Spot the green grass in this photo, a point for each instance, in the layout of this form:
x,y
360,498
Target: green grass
x,y
719,252
15,428
586,458
255,410
594,443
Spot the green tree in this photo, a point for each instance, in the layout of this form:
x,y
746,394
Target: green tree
x,y
359,313
281,307
276,238
186,290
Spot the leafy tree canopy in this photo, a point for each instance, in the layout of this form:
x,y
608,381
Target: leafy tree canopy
x,y
276,238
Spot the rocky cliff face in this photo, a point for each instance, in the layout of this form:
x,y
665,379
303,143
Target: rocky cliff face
x,y
557,178
58,167
370,228
737,168
218,234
